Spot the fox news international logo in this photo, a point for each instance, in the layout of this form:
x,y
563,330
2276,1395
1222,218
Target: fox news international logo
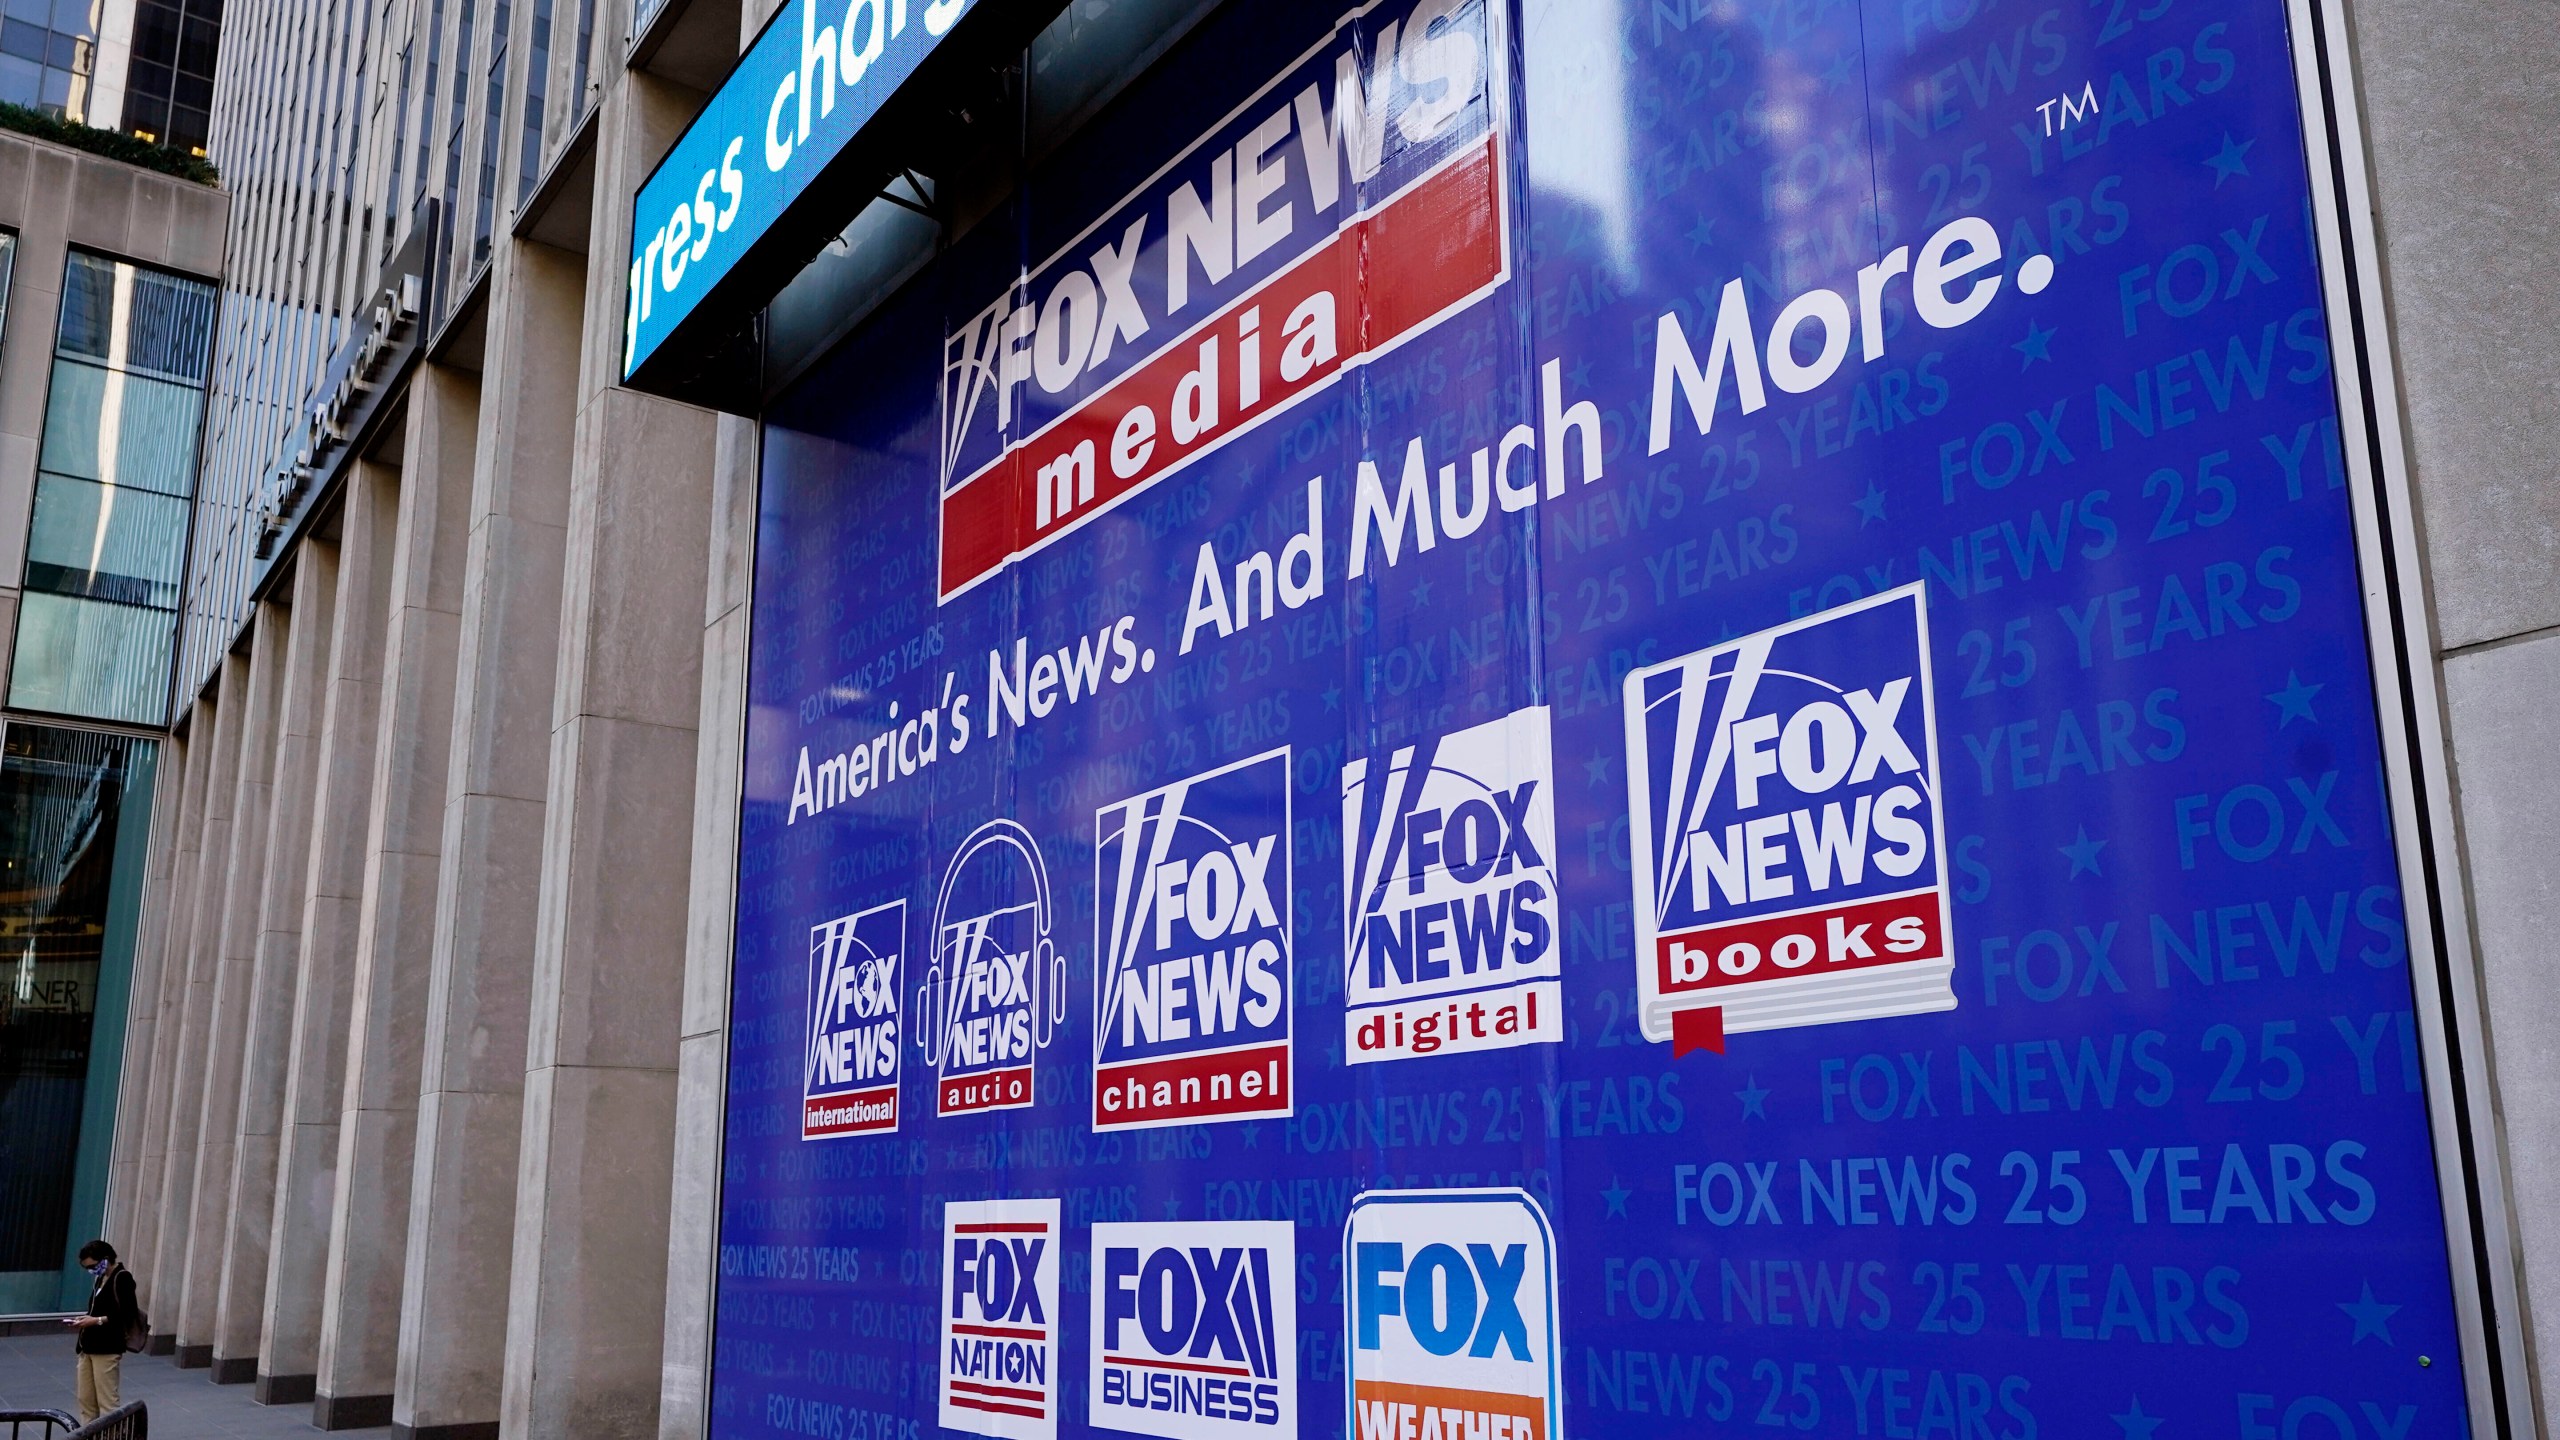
x,y
1195,1329
1192,946
1450,1308
850,1075
1000,1318
1450,884
1789,849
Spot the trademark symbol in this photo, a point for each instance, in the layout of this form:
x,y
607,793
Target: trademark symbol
x,y
2066,110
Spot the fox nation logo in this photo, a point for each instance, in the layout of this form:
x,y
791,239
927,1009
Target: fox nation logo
x,y
1000,1318
850,1076
1789,849
1451,1316
1195,1329
1450,879
1191,1010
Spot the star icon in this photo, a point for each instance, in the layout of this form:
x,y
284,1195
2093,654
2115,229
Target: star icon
x,y
1754,1098
2232,159
2135,1424
1333,1052
1616,1198
1172,1208
1842,71
1252,1137
1580,374
2037,346
2293,702
1702,234
1421,593
2083,853
1870,506
1598,769
1333,698
2372,1317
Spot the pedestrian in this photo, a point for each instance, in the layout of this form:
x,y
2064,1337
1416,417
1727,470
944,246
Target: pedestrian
x,y
113,1312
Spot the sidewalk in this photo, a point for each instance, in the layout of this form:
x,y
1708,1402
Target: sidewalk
x,y
35,1373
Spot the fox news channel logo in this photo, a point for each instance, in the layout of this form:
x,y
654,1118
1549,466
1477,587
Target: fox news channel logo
x,y
1195,1329
1451,1316
1449,874
850,1076
1000,1318
997,987
1788,841
1191,1010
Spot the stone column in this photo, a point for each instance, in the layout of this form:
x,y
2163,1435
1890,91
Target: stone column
x,y
377,1128
167,1275
471,1085
702,1047
151,1043
240,1305
341,803
238,890
589,1282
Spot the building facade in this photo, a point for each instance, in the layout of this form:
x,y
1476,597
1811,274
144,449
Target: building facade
x,y
143,67
469,1016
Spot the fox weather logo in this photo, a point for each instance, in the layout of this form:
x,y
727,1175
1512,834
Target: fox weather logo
x,y
1195,1329
850,1076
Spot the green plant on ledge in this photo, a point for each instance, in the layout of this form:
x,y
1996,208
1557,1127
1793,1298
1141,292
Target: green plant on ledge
x,y
131,149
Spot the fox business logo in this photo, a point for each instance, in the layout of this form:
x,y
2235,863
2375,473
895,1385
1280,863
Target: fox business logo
x,y
1000,1318
1450,884
1195,1329
1451,1317
1788,844
850,1075
1191,1009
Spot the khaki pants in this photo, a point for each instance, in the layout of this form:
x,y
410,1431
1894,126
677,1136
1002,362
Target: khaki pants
x,y
97,1387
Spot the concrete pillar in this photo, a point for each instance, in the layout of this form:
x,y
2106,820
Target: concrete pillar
x,y
151,1044
589,1282
240,1305
236,942
702,1046
479,991
341,803
377,1128
195,1010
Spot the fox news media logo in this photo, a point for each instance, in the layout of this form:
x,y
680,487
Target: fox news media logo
x,y
997,987
1789,850
850,1076
1195,1329
1191,934
1451,1316
1000,1318
1450,883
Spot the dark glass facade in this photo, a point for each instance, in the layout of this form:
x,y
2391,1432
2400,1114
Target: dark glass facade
x,y
169,85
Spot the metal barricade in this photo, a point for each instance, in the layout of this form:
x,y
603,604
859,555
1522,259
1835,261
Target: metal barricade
x,y
130,1421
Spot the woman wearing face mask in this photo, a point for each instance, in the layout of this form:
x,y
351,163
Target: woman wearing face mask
x,y
113,1313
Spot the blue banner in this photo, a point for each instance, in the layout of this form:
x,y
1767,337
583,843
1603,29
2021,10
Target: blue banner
x,y
1593,718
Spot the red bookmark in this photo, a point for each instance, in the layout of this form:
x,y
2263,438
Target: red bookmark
x,y
1701,1029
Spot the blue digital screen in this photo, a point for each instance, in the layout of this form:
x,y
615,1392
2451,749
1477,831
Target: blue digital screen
x,y
1590,719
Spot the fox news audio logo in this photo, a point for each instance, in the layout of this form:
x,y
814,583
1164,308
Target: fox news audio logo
x,y
1449,875
997,986
1451,1316
850,1076
1191,1010
1789,849
1195,1329
1000,1318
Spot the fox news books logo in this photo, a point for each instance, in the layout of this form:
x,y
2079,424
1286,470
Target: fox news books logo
x,y
850,1076
1000,1318
1195,1329
1789,849
1451,1316
997,986
1191,935
1450,883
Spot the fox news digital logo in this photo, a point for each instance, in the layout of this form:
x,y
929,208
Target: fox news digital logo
x,y
1191,931
1195,1329
1450,883
850,1076
1000,1318
1788,845
1451,1314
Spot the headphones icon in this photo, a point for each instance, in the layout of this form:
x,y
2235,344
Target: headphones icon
x,y
936,999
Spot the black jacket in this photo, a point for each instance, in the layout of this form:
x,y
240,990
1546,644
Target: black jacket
x,y
112,1297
